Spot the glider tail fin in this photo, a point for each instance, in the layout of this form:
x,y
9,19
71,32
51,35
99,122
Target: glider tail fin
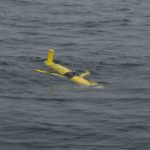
x,y
50,56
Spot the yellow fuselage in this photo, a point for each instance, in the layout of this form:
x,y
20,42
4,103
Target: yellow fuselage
x,y
61,70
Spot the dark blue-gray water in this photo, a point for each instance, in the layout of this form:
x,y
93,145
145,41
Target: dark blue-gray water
x,y
111,38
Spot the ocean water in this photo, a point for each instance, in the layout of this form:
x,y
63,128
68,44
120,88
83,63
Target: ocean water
x,y
111,38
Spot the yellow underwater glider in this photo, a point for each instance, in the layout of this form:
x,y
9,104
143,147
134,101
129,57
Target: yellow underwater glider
x,y
61,71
